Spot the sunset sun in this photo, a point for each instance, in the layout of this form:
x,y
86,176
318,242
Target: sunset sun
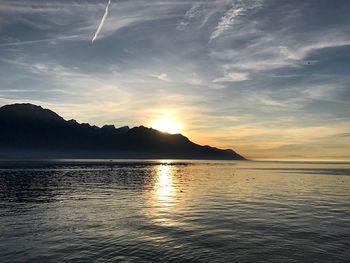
x,y
167,124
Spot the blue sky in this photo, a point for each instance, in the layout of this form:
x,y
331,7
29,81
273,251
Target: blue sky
x,y
269,79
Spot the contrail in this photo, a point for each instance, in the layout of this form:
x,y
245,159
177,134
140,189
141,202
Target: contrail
x,y
102,22
29,42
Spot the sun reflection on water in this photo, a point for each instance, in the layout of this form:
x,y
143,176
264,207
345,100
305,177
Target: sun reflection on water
x,y
164,188
162,205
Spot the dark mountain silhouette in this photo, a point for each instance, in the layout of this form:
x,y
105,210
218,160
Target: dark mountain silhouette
x,y
29,131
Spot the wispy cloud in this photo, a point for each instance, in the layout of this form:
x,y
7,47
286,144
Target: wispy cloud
x,y
163,76
102,22
233,77
194,12
239,8
47,40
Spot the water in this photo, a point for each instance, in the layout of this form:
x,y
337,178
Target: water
x,y
184,211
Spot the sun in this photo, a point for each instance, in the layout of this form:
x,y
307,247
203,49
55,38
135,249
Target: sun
x,y
167,124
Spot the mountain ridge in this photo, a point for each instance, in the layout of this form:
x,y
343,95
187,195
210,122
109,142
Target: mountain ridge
x,y
28,130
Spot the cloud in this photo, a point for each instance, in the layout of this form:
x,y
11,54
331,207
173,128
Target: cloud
x,y
48,40
52,21
162,76
319,92
195,79
102,22
239,8
194,12
233,77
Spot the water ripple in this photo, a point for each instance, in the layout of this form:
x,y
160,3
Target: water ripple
x,y
174,212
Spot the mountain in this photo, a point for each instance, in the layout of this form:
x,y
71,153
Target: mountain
x,y
29,131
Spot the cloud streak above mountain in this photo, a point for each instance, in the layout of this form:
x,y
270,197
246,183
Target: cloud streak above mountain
x,y
102,22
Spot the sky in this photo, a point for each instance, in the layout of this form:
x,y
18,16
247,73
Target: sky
x,y
267,78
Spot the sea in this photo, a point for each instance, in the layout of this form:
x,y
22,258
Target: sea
x,y
174,211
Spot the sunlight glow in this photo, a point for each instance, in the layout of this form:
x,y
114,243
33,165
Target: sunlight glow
x,y
165,187
167,124
163,196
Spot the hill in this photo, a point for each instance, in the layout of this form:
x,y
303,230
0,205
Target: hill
x,y
29,131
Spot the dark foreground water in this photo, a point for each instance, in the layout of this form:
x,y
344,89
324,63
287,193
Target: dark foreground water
x,y
193,211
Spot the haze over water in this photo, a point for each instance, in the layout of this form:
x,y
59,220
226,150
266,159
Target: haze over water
x,y
174,211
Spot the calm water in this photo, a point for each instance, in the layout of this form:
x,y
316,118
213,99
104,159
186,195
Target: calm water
x,y
193,211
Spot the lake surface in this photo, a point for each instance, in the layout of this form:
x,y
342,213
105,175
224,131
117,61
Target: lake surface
x,y
174,211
